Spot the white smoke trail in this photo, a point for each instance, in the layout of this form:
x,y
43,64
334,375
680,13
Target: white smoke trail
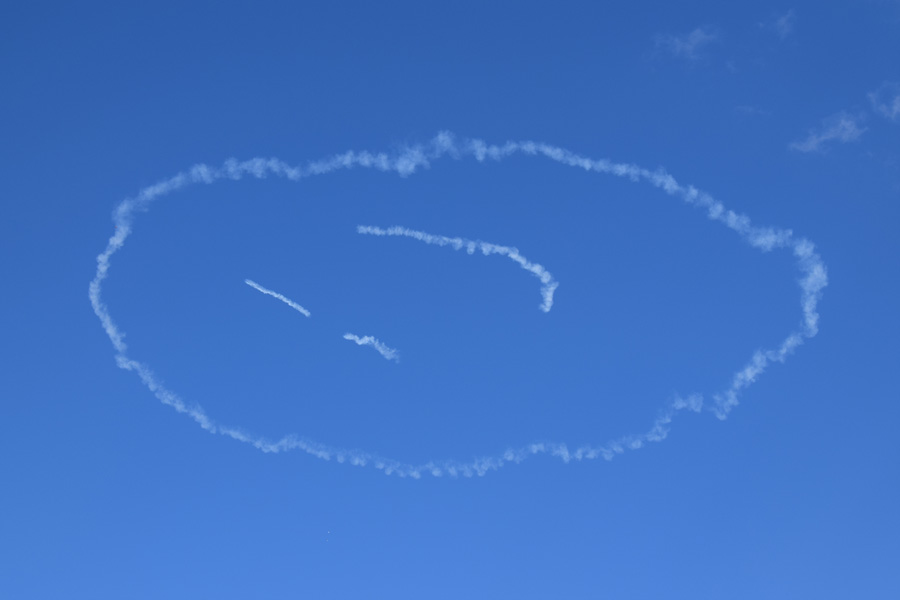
x,y
813,279
549,284
388,353
284,299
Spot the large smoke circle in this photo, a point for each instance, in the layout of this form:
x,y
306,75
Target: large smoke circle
x,y
813,279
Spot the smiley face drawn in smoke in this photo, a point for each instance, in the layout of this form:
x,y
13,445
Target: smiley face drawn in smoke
x,y
813,279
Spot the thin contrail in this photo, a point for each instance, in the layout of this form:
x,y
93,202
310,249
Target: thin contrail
x,y
284,299
548,286
388,353
813,279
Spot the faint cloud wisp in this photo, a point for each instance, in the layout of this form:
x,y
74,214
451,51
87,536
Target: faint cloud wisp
x,y
688,46
886,100
783,26
839,127
752,111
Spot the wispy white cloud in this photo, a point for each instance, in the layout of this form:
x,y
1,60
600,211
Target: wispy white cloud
x,y
284,299
840,127
688,46
548,286
388,353
886,100
813,279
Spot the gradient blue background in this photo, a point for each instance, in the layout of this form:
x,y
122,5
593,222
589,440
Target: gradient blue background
x,y
108,494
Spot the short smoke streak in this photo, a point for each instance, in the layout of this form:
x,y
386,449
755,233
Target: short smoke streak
x,y
284,299
388,353
813,279
549,285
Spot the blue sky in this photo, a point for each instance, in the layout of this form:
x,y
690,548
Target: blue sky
x,y
788,113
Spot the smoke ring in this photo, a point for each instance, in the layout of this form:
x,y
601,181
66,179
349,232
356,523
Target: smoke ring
x,y
405,162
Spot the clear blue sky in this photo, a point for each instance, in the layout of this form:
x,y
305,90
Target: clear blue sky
x,y
788,113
